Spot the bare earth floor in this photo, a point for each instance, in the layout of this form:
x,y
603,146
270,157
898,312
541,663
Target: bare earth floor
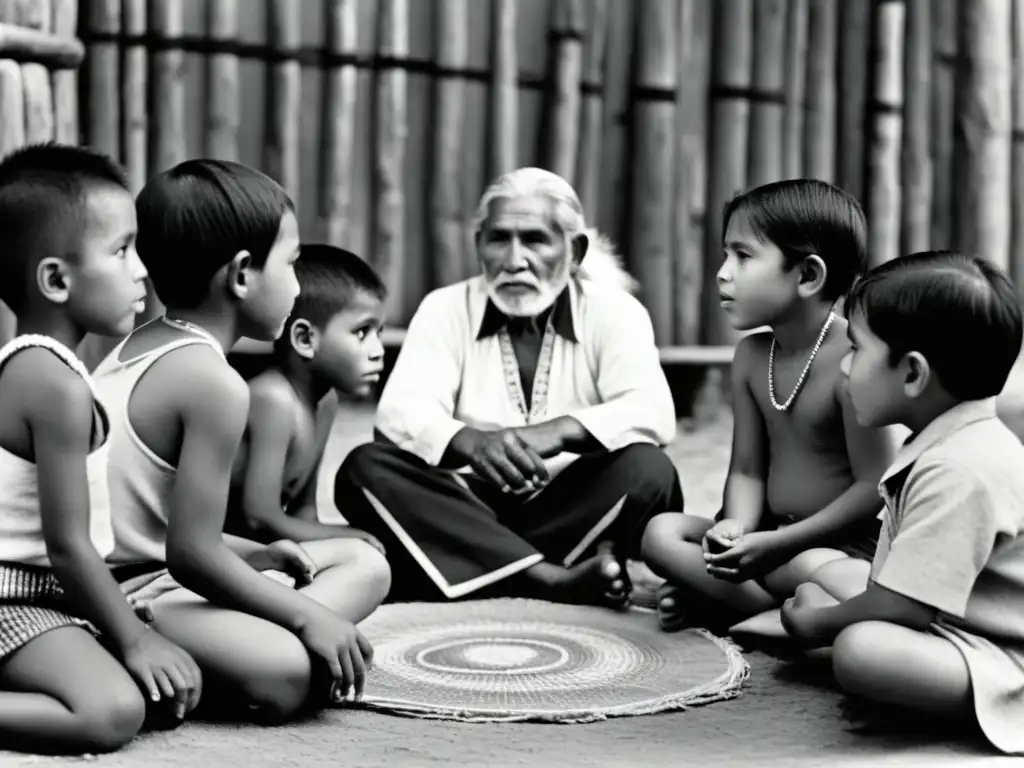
x,y
789,715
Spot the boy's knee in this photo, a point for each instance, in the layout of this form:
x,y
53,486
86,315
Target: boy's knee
x,y
373,570
665,532
280,694
853,652
110,723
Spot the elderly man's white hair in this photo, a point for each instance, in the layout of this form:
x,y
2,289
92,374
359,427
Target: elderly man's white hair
x,y
601,264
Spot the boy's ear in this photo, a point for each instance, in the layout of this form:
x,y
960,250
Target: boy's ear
x,y
813,274
304,338
917,373
239,275
53,279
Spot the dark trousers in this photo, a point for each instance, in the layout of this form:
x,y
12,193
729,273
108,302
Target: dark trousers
x,y
449,536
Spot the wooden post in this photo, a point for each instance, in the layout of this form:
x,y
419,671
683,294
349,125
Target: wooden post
x,y
39,124
983,130
588,159
654,164
820,118
167,132
284,95
503,97
223,86
134,97
339,123
103,75
694,69
391,132
40,47
1017,231
563,117
65,81
944,43
767,110
854,87
916,179
883,209
796,90
731,45
448,225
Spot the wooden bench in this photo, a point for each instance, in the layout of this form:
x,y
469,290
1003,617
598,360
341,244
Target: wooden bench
x,y
685,355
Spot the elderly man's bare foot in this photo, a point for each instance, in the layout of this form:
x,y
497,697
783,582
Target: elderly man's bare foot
x,y
596,581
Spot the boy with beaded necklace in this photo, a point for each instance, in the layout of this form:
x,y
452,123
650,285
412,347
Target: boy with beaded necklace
x,y
801,488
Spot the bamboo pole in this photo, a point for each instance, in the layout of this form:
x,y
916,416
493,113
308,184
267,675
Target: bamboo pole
x,y
12,136
448,225
41,47
883,210
820,117
768,108
339,123
943,117
916,168
983,130
1017,230
65,81
503,97
588,159
167,129
795,89
731,62
563,118
284,95
691,171
391,133
854,85
223,85
134,127
653,163
103,73
35,76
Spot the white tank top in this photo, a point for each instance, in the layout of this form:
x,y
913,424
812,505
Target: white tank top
x,y
140,481
21,524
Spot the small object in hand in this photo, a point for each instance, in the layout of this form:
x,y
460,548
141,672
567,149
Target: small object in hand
x,y
716,547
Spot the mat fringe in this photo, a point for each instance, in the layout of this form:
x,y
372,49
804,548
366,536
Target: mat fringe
x,y
727,686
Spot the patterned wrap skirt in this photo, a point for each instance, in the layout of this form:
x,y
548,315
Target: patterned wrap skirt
x,y
31,603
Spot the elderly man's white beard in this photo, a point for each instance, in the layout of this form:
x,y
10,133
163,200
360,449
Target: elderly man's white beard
x,y
529,304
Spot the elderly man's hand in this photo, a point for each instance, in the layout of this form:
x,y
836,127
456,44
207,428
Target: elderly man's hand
x,y
501,456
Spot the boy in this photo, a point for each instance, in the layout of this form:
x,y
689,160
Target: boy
x,y
940,625
330,342
801,485
220,241
68,267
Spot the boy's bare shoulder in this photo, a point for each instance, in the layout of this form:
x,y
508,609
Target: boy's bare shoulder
x,y
202,381
44,385
751,351
271,392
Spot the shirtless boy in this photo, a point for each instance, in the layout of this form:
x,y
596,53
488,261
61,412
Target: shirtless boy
x,y
331,342
801,487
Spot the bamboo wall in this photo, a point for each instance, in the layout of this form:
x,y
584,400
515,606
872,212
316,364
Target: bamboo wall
x,y
386,118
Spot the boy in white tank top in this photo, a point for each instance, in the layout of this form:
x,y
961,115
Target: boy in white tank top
x,y
219,241
68,268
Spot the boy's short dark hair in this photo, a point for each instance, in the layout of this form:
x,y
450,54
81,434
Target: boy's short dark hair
x,y
194,218
808,216
329,278
43,194
960,312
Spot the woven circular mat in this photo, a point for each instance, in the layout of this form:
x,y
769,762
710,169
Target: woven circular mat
x,y
510,659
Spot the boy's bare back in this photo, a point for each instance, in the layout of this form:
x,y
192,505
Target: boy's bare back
x,y
805,451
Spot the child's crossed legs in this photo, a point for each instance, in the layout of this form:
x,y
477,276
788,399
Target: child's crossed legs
x,y
263,661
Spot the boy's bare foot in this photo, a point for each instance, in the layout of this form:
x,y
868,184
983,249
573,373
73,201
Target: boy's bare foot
x,y
671,615
596,581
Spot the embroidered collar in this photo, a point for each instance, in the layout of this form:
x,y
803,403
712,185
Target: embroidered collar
x,y
560,313
940,429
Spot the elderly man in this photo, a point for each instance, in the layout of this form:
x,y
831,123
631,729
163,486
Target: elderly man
x,y
518,437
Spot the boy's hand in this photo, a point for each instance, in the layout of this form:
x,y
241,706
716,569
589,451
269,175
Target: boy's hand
x,y
801,613
289,556
752,555
721,536
342,647
164,670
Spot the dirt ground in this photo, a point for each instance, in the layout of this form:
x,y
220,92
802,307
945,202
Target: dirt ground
x,y
789,714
